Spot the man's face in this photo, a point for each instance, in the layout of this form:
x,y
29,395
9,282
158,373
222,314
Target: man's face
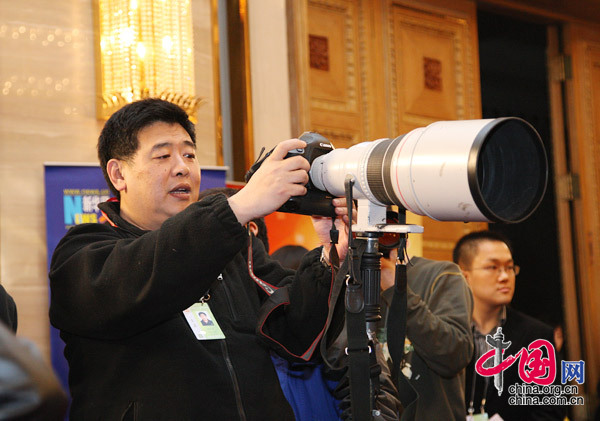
x,y
161,179
490,276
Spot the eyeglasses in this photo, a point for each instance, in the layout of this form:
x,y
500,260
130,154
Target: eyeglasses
x,y
497,270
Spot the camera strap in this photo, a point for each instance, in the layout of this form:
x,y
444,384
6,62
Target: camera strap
x,y
396,328
257,163
361,353
359,349
334,235
279,296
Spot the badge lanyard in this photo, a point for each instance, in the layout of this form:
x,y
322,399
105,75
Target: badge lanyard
x,y
482,415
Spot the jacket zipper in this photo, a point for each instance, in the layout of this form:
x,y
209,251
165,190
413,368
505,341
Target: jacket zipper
x,y
236,387
229,298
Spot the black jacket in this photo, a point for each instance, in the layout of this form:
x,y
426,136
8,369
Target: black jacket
x,y
117,295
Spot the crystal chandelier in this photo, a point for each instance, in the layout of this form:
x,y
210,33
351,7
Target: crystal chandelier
x,y
146,51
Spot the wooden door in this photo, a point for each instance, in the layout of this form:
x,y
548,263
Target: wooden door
x,y
582,44
363,70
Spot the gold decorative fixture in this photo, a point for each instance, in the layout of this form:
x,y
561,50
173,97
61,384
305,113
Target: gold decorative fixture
x,y
146,51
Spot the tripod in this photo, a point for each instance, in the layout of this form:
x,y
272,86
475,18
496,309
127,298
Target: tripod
x,y
363,305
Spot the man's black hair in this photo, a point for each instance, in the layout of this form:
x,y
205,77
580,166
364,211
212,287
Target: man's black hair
x,y
228,192
118,138
385,252
466,248
290,256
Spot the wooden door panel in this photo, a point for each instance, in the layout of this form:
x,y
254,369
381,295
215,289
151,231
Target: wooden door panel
x,y
425,69
332,84
334,74
582,43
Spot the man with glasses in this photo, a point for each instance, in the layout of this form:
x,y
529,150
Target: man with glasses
x,y
486,260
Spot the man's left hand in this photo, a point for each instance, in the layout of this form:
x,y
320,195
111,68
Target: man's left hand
x,y
322,226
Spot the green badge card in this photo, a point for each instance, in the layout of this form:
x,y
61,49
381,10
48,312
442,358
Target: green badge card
x,y
203,323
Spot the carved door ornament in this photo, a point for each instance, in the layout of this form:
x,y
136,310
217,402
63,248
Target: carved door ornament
x,y
432,72
319,52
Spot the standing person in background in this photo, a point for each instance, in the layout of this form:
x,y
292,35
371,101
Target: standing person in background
x,y
438,343
29,390
121,293
486,260
289,256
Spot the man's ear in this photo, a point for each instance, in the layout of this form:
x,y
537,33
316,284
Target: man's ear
x,y
467,275
114,169
253,228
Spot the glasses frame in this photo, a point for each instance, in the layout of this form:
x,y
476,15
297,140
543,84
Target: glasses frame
x,y
498,269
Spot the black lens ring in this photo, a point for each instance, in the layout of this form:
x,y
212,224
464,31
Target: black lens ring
x,y
387,170
376,172
379,166
474,161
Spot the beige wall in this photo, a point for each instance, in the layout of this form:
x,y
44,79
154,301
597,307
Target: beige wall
x,y
269,73
205,82
47,113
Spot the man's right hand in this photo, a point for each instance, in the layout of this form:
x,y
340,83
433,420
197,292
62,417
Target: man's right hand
x,y
273,184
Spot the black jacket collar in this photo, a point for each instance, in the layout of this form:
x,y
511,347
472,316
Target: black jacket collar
x,y
112,211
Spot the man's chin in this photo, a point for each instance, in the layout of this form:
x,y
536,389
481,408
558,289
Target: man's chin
x,y
178,207
504,302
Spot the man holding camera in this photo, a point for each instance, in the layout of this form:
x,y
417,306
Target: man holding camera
x,y
126,294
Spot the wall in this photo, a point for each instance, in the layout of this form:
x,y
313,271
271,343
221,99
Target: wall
x,y
269,73
47,113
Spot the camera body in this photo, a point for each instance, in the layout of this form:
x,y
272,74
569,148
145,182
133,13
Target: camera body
x,y
315,201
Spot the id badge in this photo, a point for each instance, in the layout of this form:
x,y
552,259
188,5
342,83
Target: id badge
x,y
202,322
